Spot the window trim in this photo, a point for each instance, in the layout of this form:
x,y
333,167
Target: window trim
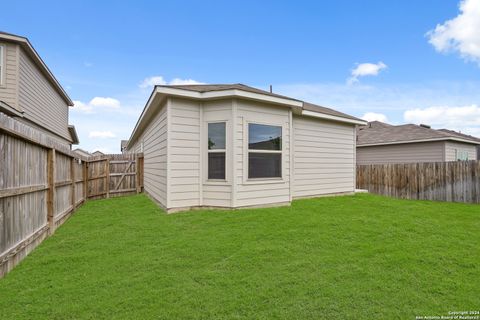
x,y
3,64
216,181
246,179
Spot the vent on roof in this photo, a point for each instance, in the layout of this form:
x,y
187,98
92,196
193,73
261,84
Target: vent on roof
x,y
425,126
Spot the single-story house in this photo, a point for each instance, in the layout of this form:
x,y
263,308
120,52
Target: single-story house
x,y
82,152
97,153
123,146
236,146
381,143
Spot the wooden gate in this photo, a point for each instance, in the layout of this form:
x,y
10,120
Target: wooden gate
x,y
114,175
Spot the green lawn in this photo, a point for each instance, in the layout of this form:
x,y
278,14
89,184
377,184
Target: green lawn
x,y
352,257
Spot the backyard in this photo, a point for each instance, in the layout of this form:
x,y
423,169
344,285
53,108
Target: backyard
x,y
354,257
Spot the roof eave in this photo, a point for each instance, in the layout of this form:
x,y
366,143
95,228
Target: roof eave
x,y
417,141
332,117
73,134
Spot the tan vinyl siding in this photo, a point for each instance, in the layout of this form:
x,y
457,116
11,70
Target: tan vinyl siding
x,y
184,153
39,99
260,192
154,141
451,147
401,153
324,157
9,89
217,194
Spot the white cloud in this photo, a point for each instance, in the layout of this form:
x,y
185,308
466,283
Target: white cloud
x,y
105,102
372,116
465,119
366,69
152,81
101,134
82,107
88,64
96,103
460,34
159,80
178,81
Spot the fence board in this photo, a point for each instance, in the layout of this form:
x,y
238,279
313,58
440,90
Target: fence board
x,y
41,184
456,181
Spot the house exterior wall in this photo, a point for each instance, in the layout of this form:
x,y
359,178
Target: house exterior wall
x,y
324,157
153,143
402,153
452,146
9,88
183,153
217,193
260,191
175,147
39,100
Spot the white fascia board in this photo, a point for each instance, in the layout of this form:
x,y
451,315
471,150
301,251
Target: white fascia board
x,y
229,93
314,114
141,119
418,141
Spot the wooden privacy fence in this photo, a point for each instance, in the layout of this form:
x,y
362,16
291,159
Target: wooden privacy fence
x,y
456,181
42,183
114,175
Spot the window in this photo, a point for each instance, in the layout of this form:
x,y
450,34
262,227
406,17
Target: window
x,y
264,151
461,155
2,67
216,150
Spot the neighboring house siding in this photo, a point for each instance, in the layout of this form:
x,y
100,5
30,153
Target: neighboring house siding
x,y
324,157
401,153
451,147
38,98
184,153
250,193
8,91
154,140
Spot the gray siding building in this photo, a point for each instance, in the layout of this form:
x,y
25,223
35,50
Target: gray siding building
x,y
237,146
381,143
30,92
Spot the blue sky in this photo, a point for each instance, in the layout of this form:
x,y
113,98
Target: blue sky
x,y
373,59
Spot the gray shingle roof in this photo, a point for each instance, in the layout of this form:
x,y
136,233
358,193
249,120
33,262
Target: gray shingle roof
x,y
379,133
219,87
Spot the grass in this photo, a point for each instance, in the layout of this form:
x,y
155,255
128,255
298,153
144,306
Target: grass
x,y
353,257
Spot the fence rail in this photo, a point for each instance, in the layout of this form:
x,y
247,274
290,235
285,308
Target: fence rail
x,y
456,181
42,183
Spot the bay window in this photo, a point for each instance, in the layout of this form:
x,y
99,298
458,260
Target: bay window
x,y
264,151
216,150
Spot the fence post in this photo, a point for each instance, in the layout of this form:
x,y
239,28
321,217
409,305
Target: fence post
x,y
85,180
51,190
74,184
137,174
107,180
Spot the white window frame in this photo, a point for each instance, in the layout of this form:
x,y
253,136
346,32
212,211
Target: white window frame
x,y
3,54
221,181
461,155
247,179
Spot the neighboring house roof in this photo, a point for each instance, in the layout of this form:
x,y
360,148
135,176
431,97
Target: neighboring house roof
x,y
460,135
377,133
218,91
27,46
73,134
82,152
123,144
98,153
